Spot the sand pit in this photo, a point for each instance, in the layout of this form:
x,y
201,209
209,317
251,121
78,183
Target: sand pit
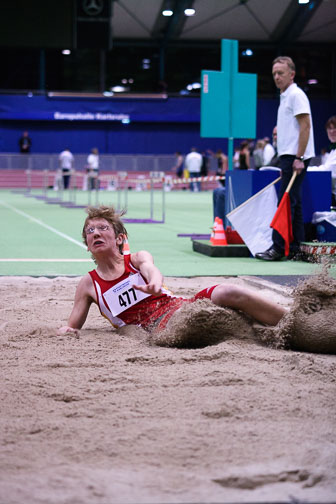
x,y
112,417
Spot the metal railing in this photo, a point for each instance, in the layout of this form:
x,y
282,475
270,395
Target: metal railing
x,y
107,162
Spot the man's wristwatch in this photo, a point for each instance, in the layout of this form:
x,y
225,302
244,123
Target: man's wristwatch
x,y
300,158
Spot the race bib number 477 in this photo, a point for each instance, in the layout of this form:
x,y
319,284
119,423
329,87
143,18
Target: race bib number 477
x,y
123,295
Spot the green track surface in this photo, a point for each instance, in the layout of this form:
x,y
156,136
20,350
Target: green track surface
x,y
36,237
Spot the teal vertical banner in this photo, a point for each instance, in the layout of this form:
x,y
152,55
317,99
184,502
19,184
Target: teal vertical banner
x,y
244,106
228,98
215,104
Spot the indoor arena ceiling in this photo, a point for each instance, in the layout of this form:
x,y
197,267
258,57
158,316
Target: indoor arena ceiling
x,y
267,21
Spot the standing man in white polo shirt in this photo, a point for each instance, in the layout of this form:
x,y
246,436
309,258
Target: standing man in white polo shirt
x,y
193,163
66,161
93,165
295,145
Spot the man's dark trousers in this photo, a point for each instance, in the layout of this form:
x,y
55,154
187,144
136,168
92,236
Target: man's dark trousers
x,y
295,195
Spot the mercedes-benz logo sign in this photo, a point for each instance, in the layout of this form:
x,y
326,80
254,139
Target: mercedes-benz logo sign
x,y
93,7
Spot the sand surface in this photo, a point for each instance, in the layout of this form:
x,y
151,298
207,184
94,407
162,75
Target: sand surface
x,y
110,418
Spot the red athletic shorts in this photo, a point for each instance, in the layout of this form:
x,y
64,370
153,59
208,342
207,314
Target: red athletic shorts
x,y
162,321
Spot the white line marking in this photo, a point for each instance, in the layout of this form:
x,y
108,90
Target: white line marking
x,y
47,260
41,223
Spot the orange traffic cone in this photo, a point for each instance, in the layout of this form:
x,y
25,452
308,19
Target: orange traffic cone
x,y
126,248
218,236
212,237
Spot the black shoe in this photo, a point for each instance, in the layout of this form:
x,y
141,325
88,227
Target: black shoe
x,y
269,255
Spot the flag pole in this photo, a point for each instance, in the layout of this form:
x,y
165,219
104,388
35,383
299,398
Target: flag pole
x,y
291,182
255,195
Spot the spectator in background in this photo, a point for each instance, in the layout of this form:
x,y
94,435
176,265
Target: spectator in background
x,y
236,158
25,143
324,155
244,156
193,163
93,172
258,154
222,165
329,163
251,145
269,149
275,161
218,200
269,152
180,170
66,161
178,167
205,168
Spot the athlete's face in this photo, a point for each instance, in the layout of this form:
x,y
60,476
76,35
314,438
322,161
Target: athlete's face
x,y
100,237
283,76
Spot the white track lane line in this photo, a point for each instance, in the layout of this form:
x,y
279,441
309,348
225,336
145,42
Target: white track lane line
x,y
41,223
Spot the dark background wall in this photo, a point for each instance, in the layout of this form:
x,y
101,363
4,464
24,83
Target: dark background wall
x,y
33,35
155,127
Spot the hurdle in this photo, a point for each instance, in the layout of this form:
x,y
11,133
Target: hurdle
x,y
33,181
53,192
43,195
27,189
155,178
68,198
37,179
57,187
118,184
77,178
121,183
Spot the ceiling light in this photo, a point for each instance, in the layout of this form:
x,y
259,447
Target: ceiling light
x,y
312,81
303,1
66,52
247,52
189,12
167,12
119,89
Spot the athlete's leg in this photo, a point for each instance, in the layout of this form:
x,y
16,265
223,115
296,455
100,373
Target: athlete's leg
x,y
248,301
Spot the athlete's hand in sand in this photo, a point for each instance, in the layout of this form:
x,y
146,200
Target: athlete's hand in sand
x,y
153,288
68,330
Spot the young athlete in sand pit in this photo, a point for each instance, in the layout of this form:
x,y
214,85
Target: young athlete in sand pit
x,y
129,288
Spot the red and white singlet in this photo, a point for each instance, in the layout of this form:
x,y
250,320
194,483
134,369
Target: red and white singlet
x,y
123,305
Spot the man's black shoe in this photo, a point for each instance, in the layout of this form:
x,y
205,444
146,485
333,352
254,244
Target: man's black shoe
x,y
269,255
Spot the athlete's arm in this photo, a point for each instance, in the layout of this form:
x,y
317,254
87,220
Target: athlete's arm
x,y
143,261
83,299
